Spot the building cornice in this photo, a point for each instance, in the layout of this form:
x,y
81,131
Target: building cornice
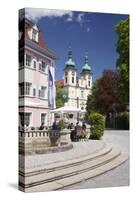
x,y
37,48
83,88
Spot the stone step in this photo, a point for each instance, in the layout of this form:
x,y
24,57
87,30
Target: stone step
x,y
64,182
71,172
68,163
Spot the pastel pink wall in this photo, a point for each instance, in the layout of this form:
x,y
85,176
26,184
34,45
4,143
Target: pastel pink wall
x,y
36,116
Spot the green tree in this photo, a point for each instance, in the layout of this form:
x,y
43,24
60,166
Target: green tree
x,y
90,104
122,48
104,96
61,96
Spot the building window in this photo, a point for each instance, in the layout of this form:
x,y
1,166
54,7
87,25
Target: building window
x,y
25,119
21,89
40,66
43,66
21,60
34,92
73,73
34,33
28,60
39,93
43,118
42,92
24,88
89,83
82,94
34,64
72,79
27,88
66,79
66,73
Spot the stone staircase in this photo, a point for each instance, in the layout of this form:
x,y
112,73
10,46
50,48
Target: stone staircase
x,y
58,175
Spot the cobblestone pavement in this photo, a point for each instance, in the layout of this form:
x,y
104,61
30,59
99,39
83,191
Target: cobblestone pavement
x,y
80,149
116,177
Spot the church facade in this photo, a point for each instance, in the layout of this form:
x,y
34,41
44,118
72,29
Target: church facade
x,y
77,87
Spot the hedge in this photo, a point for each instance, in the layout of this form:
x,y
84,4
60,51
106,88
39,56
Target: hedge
x,y
97,122
122,121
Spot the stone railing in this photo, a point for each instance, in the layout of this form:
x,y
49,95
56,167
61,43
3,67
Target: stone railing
x,y
42,140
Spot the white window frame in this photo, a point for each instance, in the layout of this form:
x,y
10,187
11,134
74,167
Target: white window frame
x,y
45,119
27,62
34,34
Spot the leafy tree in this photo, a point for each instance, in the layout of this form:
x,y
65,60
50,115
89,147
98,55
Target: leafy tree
x,y
61,96
90,104
104,96
106,99
122,29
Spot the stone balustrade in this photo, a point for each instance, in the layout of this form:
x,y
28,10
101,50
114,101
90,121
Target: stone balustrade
x,y
42,140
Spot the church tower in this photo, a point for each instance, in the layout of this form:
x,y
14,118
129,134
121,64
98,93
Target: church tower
x,y
86,73
70,70
70,79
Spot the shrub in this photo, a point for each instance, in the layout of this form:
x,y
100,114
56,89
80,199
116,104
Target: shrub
x,y
122,121
60,124
97,122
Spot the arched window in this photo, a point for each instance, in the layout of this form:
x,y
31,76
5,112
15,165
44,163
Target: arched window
x,y
66,79
72,79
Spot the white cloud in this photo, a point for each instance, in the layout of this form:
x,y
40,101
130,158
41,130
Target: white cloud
x,y
36,13
88,29
70,17
80,18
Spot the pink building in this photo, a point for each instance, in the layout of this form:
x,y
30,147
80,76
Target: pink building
x,y
36,77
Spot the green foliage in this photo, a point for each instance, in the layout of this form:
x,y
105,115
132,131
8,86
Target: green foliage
x,y
61,96
97,122
122,121
104,97
122,29
60,124
90,104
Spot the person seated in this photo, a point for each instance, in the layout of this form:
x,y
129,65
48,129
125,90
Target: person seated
x,y
84,126
78,130
42,126
83,134
70,126
73,135
54,126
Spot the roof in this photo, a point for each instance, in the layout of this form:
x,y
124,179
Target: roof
x,y
60,82
41,45
86,66
70,62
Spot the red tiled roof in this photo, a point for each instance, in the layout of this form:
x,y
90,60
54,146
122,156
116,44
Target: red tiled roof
x,y
60,82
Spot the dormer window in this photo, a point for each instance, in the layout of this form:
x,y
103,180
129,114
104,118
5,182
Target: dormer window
x,y
34,34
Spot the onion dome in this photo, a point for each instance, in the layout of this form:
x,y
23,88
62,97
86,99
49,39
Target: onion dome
x,y
86,66
70,62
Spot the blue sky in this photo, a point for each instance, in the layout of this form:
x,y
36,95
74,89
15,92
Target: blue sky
x,y
85,31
